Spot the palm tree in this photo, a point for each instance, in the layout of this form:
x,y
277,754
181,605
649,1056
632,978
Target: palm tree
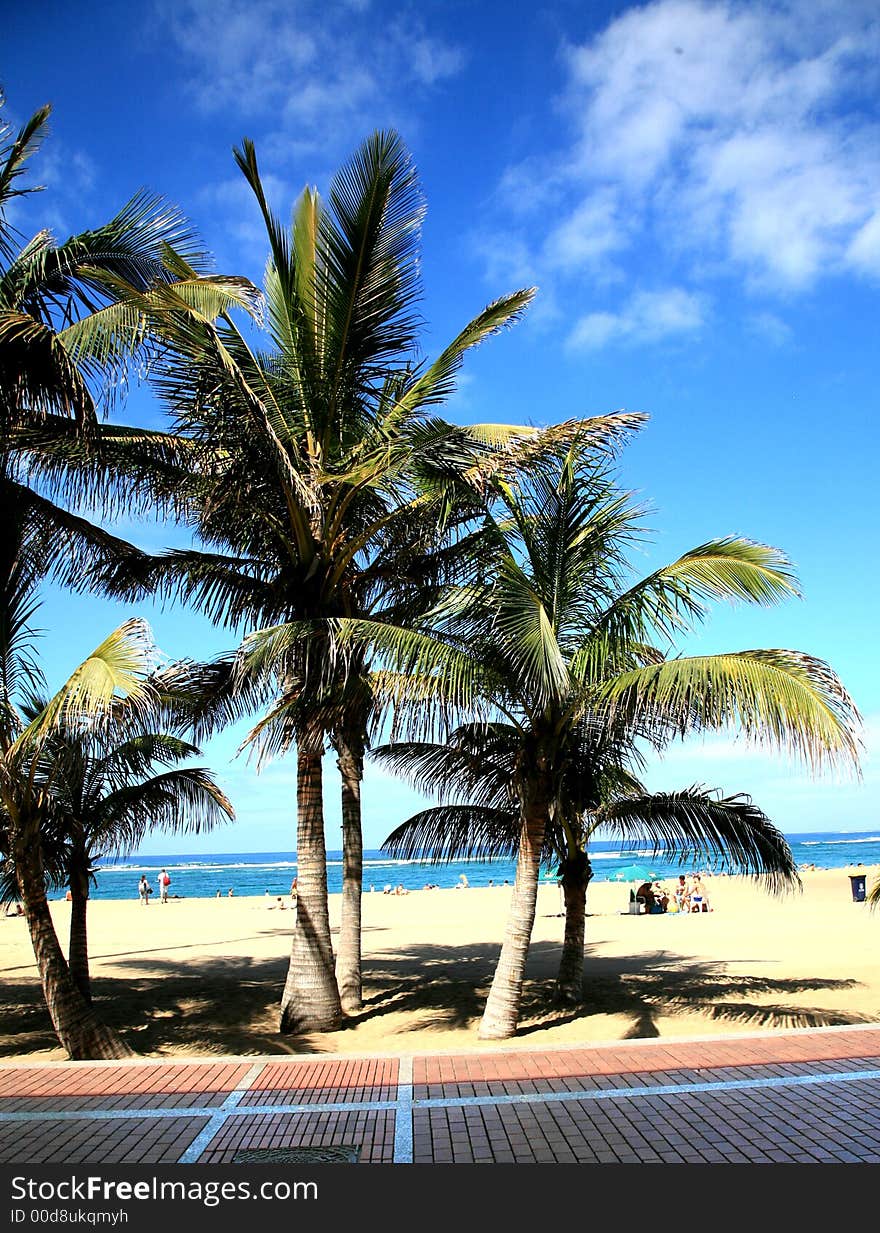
x,y
29,775
478,817
551,637
112,784
317,467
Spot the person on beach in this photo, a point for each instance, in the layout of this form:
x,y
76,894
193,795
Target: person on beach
x,y
645,893
463,883
293,888
144,890
699,900
681,893
164,883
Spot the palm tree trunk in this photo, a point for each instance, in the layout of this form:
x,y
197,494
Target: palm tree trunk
x,y
76,1025
78,950
348,960
501,1015
310,1002
576,874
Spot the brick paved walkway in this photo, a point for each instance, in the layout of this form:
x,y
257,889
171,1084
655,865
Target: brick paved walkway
x,y
802,1096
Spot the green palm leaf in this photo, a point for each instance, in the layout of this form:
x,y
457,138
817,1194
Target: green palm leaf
x,y
118,668
780,698
437,383
671,599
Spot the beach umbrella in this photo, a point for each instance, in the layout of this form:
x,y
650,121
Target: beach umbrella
x,y
633,873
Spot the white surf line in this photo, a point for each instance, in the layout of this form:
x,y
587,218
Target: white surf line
x,y
219,1116
403,1117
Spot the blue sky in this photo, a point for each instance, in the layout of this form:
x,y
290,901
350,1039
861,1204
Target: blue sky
x,y
693,187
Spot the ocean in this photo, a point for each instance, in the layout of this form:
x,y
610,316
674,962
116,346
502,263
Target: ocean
x,y
261,873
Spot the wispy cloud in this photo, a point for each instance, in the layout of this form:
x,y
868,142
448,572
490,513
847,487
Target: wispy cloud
x,y
725,140
306,72
770,327
306,80
864,250
242,244
648,316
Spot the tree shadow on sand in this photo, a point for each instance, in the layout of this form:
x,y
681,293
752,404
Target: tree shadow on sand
x,y
230,1006
646,987
449,987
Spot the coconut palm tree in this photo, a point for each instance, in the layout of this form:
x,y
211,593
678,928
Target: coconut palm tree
x,y
318,466
29,775
114,782
478,817
552,636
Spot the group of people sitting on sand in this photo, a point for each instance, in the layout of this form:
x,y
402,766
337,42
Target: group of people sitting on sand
x,y
687,896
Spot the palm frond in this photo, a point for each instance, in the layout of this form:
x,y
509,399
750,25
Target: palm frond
x,y
696,823
119,667
778,698
671,599
437,383
369,240
475,766
447,833
528,637
600,435
14,156
181,801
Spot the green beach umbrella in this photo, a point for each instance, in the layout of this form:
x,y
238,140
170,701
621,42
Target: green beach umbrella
x,y
634,873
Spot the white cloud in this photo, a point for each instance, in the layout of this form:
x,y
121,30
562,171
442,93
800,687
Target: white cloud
x,y
737,114
864,251
724,139
431,60
590,233
305,70
648,316
771,328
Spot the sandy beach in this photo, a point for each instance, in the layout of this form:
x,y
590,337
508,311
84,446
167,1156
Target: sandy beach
x,y
204,976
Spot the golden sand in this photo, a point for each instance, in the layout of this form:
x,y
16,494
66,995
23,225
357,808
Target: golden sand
x,y
204,976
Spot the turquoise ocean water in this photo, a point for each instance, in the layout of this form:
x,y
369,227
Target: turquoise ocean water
x,y
255,873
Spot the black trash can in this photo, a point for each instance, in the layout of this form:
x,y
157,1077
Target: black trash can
x,y
857,881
